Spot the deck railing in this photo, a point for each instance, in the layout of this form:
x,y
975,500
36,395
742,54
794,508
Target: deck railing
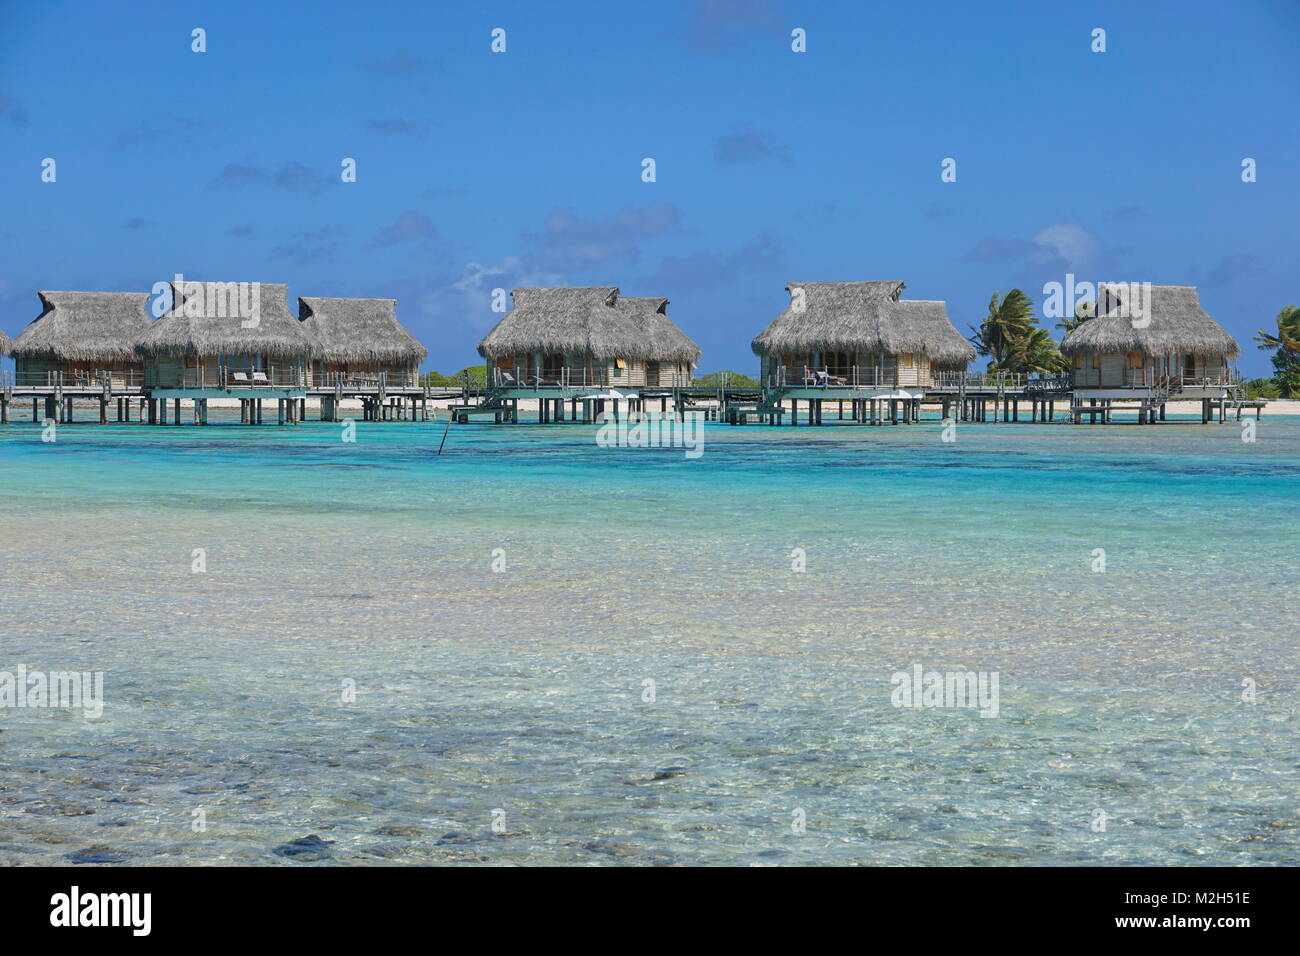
x,y
520,377
832,376
969,379
223,377
382,379
1151,378
1044,382
270,377
567,377
77,378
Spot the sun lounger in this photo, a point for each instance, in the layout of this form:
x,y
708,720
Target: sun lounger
x,y
822,379
259,378
238,378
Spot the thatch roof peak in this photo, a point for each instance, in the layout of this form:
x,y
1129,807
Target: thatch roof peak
x,y
1177,324
585,320
564,295
863,317
215,318
5,343
358,330
666,341
84,327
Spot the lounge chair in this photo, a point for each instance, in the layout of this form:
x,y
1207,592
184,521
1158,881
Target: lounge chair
x,y
823,379
507,378
238,378
259,378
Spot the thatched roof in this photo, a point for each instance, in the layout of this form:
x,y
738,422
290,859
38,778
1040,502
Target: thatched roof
x,y
359,330
277,333
5,343
928,320
1177,325
668,342
862,317
84,327
575,320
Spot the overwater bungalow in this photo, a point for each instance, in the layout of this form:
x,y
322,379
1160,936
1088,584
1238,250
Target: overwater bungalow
x,y
1151,351
211,344
578,338
859,335
200,344
81,338
360,342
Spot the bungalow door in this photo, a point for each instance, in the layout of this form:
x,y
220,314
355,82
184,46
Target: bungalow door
x,y
652,374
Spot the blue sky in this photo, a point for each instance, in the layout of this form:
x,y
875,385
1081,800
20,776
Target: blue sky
x,y
478,170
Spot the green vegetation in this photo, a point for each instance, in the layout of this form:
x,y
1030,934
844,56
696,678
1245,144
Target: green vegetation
x,y
1262,388
477,374
1285,346
1012,340
713,379
1082,313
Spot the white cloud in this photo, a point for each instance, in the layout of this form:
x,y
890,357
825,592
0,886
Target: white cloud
x,y
468,298
1071,243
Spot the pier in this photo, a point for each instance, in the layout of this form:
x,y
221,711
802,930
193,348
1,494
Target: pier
x,y
119,397
967,397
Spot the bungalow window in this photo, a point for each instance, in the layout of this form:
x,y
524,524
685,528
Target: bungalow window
x,y
1134,359
1189,365
620,365
907,360
552,367
1096,360
1078,361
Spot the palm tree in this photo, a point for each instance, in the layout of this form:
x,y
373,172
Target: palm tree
x,y
1288,331
1082,313
1007,321
1285,346
1036,352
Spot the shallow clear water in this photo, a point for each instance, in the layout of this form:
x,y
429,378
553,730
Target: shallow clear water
x,y
522,690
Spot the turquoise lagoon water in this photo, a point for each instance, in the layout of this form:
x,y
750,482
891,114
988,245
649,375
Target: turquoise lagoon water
x,y
522,691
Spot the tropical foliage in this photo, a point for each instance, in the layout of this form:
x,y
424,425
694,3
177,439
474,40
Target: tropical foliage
x,y
1262,388
1082,313
1285,346
1012,340
734,379
476,373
